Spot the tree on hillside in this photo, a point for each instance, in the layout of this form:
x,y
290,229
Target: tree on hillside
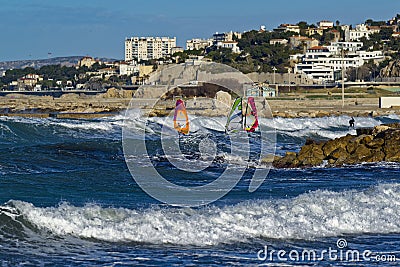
x,y
257,52
386,33
13,75
303,25
371,22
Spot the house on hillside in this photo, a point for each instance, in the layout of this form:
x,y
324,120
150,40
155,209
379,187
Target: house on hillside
x,y
87,61
278,41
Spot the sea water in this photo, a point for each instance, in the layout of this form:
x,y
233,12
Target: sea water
x,y
68,199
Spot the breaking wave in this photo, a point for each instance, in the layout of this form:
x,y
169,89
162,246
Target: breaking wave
x,y
308,216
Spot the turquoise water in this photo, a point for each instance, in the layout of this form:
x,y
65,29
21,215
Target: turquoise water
x,y
68,199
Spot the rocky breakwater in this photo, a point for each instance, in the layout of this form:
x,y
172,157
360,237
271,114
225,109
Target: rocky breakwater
x,y
378,144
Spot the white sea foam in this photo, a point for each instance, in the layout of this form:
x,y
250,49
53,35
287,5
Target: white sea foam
x,y
325,127
308,216
100,126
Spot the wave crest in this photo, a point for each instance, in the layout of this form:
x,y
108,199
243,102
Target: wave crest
x,y
308,216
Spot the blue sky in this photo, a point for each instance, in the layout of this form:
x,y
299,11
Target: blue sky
x,y
30,29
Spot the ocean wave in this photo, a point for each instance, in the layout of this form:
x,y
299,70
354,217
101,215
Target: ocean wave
x,y
102,126
311,215
326,127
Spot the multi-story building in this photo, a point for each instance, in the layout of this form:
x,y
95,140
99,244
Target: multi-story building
x,y
356,34
335,35
325,24
360,31
196,43
319,63
230,45
300,41
87,61
311,31
28,81
176,49
226,37
337,47
146,48
128,68
288,28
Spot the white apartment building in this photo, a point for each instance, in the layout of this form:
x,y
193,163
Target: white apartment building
x,y
337,47
360,31
197,43
146,48
319,63
128,68
230,45
226,37
325,24
288,28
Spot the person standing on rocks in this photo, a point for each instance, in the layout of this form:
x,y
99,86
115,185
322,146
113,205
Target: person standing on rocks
x,y
351,122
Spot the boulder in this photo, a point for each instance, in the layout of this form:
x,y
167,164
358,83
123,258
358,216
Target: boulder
x,y
392,145
127,93
359,155
112,93
288,161
376,155
311,155
350,149
339,154
332,145
365,130
375,143
353,143
395,125
268,159
380,128
322,113
223,98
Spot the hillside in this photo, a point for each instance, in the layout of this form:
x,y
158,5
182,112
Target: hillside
x,y
64,61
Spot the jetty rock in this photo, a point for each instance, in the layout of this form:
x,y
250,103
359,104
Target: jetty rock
x,y
378,144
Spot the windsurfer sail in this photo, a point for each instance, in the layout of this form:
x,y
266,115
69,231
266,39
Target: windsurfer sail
x,y
181,120
235,116
250,122
239,119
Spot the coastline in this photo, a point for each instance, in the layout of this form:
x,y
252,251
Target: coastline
x,y
86,107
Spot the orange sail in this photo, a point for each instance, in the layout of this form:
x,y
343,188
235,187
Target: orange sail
x,y
181,119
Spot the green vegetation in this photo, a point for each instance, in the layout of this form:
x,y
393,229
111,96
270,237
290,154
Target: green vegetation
x,y
257,52
181,57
